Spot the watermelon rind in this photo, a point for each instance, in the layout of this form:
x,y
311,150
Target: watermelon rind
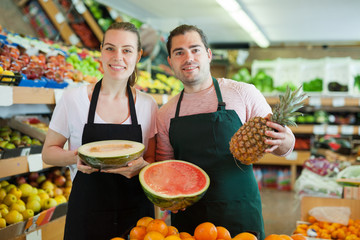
x,y
114,158
176,202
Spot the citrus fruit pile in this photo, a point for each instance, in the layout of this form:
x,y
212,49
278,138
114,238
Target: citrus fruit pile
x,y
148,228
24,198
327,230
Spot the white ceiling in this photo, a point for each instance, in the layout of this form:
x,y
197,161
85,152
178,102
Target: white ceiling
x,y
282,21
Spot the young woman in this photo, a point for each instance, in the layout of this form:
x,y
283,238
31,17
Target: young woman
x,y
105,204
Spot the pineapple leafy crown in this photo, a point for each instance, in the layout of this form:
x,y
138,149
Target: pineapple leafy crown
x,y
285,110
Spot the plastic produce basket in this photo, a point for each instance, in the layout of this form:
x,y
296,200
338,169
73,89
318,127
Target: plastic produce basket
x,y
10,80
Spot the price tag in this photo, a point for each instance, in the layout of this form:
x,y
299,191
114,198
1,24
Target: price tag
x,y
164,98
58,94
35,162
292,156
319,129
347,130
338,102
59,17
6,96
25,152
35,235
74,39
332,129
80,7
315,101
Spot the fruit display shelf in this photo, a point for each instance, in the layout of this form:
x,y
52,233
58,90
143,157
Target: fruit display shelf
x,y
294,160
18,165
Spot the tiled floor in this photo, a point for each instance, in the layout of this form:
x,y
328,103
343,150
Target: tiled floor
x,y
281,210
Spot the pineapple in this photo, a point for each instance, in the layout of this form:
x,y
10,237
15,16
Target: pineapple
x,y
247,145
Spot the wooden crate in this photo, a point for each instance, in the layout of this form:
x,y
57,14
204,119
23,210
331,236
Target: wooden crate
x,y
307,203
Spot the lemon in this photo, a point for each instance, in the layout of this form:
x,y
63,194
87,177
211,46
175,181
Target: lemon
x,y
28,213
10,199
9,187
13,217
2,194
16,191
60,199
34,205
1,69
2,222
33,197
18,207
9,73
4,211
4,183
21,202
26,189
43,195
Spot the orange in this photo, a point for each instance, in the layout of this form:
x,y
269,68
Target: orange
x,y
184,235
157,225
144,221
188,238
172,231
285,237
172,237
138,232
205,231
223,233
246,236
273,237
153,235
298,236
117,238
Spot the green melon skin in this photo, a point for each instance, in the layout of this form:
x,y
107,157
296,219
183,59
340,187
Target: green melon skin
x,y
106,163
173,204
113,160
177,202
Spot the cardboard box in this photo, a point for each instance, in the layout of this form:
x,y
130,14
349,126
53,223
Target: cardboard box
x,y
33,223
307,203
17,123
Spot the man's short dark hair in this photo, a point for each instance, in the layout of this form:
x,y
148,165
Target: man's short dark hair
x,y
181,30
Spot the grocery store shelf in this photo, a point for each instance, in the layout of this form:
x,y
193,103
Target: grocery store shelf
x,y
93,25
46,96
30,95
52,230
297,158
60,23
14,166
333,101
320,129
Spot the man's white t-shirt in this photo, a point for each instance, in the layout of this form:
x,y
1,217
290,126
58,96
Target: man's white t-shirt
x,y
71,113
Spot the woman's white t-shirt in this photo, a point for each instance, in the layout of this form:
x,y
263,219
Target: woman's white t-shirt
x,y
71,113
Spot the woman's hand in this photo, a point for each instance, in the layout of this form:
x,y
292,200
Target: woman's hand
x,y
82,167
132,169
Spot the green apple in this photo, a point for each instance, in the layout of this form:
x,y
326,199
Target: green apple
x,y
49,203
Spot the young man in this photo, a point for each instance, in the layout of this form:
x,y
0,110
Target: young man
x,y
197,126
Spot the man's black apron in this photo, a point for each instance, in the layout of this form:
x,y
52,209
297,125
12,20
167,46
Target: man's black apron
x,y
233,198
105,205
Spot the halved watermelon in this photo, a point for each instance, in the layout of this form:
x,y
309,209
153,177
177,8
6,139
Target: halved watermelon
x,y
174,184
110,153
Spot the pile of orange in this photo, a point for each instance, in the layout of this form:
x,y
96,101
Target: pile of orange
x,y
148,228
328,230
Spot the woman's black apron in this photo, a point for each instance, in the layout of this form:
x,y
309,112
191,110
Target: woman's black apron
x,y
106,205
233,198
